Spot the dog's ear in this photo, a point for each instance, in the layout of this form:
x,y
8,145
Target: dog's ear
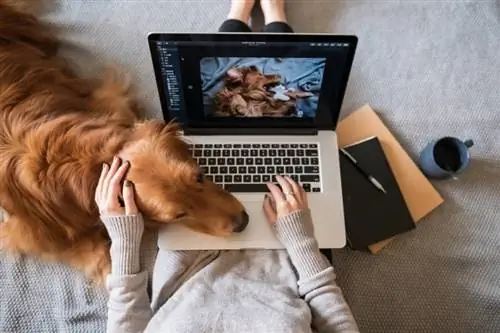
x,y
172,128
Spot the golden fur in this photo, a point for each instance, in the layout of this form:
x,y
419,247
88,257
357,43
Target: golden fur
x,y
245,94
56,131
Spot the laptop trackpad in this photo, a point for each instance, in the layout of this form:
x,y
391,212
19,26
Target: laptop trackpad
x,y
255,211
258,233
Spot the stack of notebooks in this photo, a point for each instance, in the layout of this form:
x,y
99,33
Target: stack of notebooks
x,y
374,216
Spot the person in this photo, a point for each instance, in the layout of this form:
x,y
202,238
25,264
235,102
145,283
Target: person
x,y
291,290
274,16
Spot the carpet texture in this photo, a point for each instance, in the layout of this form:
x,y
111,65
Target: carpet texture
x,y
430,68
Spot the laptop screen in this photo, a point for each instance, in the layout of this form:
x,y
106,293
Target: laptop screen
x,y
250,81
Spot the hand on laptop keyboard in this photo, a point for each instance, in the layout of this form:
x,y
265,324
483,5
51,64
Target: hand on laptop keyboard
x,y
248,167
283,201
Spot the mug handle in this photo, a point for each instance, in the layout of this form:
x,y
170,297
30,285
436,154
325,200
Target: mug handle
x,y
469,143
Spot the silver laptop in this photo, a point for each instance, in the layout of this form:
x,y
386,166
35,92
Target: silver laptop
x,y
253,106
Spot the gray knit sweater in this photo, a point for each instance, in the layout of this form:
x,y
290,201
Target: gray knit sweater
x,y
263,291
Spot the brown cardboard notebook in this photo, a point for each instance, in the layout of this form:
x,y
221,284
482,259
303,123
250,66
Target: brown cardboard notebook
x,y
419,194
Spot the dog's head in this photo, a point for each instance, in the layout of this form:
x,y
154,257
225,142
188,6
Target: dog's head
x,y
171,188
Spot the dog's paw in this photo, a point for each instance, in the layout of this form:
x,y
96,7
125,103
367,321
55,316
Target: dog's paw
x,y
280,93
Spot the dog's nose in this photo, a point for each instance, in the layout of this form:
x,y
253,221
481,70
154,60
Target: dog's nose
x,y
241,222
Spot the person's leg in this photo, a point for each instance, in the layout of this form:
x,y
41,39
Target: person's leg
x,y
237,19
274,16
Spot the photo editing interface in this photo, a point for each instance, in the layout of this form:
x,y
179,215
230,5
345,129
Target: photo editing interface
x,y
204,80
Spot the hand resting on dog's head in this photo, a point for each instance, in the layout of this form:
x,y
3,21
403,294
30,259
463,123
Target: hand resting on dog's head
x,y
171,187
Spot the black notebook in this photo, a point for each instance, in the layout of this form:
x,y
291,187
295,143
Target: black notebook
x,y
370,215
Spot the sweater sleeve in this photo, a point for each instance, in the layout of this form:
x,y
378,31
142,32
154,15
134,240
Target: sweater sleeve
x,y
316,276
128,305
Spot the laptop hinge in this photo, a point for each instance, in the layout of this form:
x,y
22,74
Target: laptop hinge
x,y
250,131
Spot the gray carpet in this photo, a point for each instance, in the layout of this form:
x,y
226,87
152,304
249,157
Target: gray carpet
x,y
431,68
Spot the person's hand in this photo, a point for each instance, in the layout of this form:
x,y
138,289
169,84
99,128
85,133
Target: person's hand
x,y
121,218
281,202
288,212
109,192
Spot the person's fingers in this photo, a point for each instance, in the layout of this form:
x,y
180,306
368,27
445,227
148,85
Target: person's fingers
x,y
303,193
296,189
282,206
293,184
112,207
276,193
285,186
273,203
114,189
98,190
129,198
269,211
290,196
112,170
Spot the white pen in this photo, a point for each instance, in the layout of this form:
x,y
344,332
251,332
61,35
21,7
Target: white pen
x,y
366,174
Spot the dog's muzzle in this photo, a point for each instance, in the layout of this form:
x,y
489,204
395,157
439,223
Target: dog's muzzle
x,y
241,222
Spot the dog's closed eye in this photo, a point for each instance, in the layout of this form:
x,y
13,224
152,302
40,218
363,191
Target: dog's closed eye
x,y
200,177
180,215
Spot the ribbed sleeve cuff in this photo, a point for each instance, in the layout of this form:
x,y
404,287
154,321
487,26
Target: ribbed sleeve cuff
x,y
296,233
125,232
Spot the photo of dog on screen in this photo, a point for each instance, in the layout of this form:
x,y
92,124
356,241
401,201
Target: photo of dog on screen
x,y
261,87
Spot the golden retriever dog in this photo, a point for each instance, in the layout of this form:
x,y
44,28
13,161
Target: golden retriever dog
x,y
246,94
56,131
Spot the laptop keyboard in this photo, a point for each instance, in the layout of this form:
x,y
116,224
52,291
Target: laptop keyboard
x,y
248,167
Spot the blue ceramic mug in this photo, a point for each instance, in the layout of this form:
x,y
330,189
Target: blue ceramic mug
x,y
445,157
